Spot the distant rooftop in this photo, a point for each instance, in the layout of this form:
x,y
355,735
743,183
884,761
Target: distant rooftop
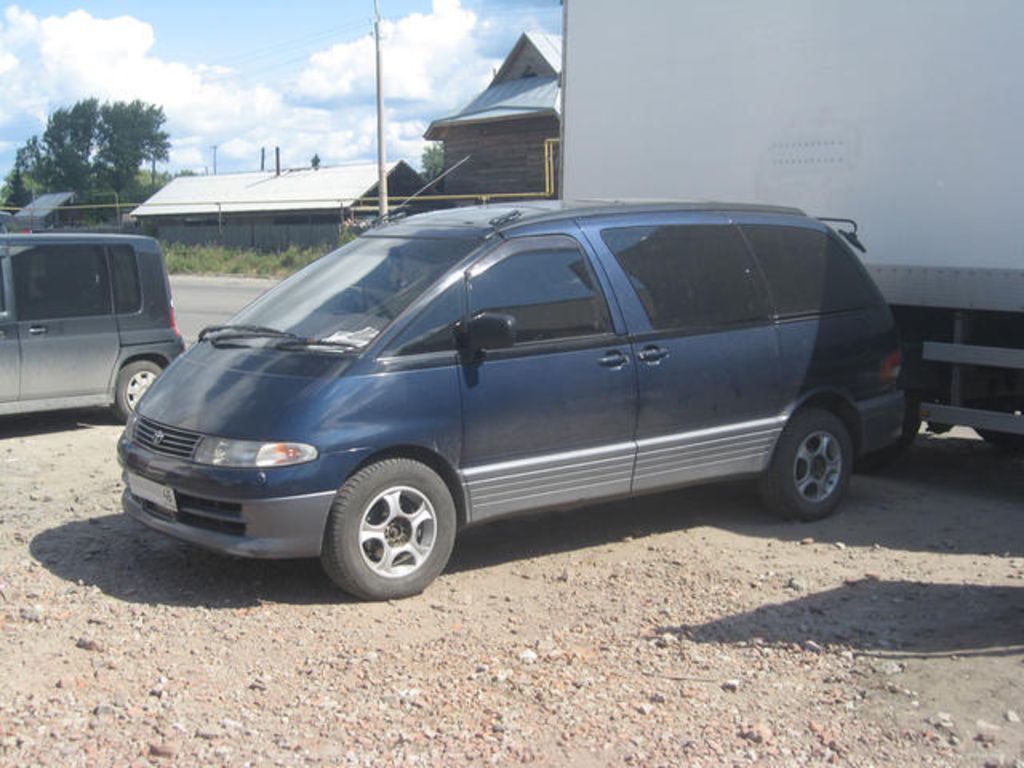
x,y
303,189
526,85
39,209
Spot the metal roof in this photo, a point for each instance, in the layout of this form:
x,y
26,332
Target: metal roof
x,y
508,99
303,189
549,47
528,96
40,208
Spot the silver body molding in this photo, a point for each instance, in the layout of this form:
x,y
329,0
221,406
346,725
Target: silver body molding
x,y
566,479
494,490
692,457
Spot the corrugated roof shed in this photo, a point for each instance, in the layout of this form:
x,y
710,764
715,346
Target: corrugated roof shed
x,y
37,211
304,189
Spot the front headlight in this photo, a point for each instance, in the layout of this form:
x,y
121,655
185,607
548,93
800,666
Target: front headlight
x,y
129,427
220,452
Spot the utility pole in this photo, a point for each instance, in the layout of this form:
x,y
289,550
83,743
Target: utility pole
x,y
382,176
214,148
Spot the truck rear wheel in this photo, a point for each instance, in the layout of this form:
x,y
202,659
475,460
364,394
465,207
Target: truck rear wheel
x,y
1004,441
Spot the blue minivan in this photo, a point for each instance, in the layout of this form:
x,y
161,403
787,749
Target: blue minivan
x,y
465,365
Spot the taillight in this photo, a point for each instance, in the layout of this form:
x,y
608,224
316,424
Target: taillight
x,y
891,366
174,322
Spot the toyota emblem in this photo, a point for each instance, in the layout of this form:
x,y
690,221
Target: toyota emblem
x,y
158,437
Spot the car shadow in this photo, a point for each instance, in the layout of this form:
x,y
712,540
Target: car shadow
x,y
904,618
28,424
948,494
128,561
977,491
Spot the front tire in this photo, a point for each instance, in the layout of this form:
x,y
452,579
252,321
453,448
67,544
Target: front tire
x,y
390,531
132,382
810,469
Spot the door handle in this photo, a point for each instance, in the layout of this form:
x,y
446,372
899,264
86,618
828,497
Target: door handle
x,y
37,330
653,354
613,359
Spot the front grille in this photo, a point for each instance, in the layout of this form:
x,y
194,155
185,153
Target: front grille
x,y
211,524
228,510
208,514
168,441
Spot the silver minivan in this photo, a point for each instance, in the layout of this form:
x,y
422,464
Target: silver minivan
x,y
85,320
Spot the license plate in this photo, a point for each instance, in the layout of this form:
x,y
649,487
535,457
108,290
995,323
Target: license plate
x,y
156,493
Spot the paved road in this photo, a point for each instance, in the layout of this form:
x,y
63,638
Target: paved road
x,y
201,301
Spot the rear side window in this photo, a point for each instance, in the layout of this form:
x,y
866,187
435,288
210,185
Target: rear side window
x,y
55,281
125,273
809,272
551,293
689,276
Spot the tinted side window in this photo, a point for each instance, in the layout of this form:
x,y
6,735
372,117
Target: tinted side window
x,y
125,273
433,330
3,305
689,276
61,281
551,293
810,272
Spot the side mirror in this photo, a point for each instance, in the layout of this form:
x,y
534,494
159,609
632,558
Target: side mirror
x,y
489,330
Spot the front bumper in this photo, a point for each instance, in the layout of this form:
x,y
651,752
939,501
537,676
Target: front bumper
x,y
291,526
276,513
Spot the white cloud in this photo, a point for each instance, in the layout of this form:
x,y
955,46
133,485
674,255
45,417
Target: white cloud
x,y
433,64
426,57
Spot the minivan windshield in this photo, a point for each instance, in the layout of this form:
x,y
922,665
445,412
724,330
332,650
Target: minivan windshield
x,y
350,295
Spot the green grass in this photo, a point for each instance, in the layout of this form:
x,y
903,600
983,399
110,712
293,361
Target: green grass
x,y
217,260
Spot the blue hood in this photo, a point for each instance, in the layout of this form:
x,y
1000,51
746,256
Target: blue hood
x,y
247,393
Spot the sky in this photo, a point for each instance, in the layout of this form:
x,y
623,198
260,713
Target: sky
x,y
244,75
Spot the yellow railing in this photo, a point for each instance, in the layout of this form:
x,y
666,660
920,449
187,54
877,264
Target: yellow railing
x,y
550,148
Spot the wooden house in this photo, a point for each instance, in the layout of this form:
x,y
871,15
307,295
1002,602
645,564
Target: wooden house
x,y
504,129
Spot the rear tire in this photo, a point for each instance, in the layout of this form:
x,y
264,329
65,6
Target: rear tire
x,y
390,531
132,382
810,469
1004,441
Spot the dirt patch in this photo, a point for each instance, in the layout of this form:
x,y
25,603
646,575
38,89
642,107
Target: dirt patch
x,y
681,629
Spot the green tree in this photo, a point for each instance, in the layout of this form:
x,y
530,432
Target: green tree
x,y
432,160
19,184
68,145
129,134
16,193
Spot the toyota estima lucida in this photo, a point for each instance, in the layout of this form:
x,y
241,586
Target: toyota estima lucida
x,y
461,366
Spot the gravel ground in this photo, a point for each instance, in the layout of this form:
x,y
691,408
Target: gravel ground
x,y
682,629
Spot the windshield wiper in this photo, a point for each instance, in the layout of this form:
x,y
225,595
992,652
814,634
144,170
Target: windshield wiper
x,y
227,332
216,334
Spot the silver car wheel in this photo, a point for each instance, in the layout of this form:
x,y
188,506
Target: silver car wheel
x,y
397,531
818,466
137,386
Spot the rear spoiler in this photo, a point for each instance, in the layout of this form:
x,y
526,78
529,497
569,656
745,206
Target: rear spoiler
x,y
849,235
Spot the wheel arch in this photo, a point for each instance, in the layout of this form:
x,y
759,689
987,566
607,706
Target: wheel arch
x,y
432,459
840,406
